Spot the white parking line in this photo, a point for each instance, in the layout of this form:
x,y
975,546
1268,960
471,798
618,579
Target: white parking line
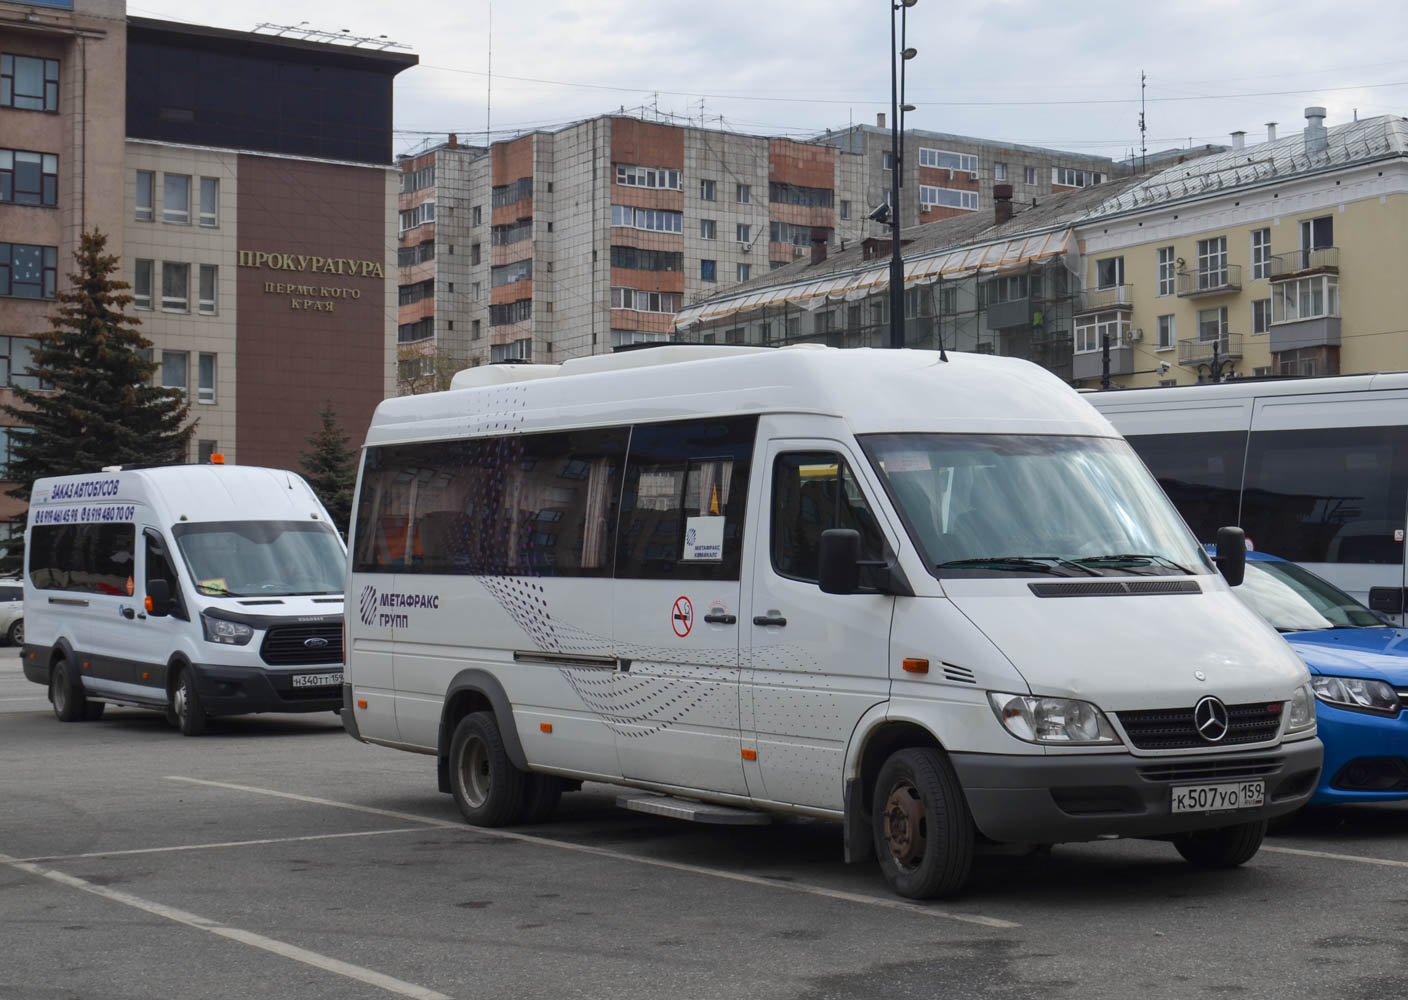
x,y
811,890
1385,862
223,843
333,965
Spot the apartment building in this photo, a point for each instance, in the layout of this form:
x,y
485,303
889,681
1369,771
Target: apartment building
x,y
589,239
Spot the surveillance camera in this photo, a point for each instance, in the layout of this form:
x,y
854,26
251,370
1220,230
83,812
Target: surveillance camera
x,y
881,213
1163,367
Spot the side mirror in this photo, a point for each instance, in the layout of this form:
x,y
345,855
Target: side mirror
x,y
1231,555
158,597
838,562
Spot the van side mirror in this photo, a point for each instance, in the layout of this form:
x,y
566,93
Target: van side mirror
x,y
158,597
838,561
1231,555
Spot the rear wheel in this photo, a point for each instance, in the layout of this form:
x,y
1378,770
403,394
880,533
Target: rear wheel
x,y
186,706
923,829
1225,847
65,692
489,790
16,633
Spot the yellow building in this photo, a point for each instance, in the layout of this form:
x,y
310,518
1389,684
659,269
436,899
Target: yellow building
x,y
1280,258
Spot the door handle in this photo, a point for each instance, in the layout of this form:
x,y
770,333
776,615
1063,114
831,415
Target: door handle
x,y
769,620
129,613
721,619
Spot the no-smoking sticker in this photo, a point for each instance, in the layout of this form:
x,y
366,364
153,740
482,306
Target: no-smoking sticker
x,y
682,617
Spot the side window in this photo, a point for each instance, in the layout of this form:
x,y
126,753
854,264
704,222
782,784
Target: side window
x,y
684,500
159,568
525,504
87,558
813,491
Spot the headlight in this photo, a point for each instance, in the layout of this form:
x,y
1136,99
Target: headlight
x,y
227,632
1356,693
1302,710
1052,720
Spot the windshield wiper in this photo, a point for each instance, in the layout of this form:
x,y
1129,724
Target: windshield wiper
x,y
1040,564
1136,558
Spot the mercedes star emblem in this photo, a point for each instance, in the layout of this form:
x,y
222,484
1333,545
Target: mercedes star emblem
x,y
1210,719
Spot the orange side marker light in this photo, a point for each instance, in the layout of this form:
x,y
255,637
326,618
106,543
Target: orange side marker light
x,y
361,703
750,755
545,726
915,665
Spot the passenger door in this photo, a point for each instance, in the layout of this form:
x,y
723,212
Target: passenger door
x,y
676,603
819,661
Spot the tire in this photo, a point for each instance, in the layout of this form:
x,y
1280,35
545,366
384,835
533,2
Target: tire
x,y
543,795
185,704
922,827
66,693
16,633
1225,847
93,711
489,790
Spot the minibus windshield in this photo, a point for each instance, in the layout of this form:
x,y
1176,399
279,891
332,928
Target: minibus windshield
x,y
1292,599
262,558
1032,505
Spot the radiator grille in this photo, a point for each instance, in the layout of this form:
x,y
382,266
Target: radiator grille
x,y
1174,729
1231,770
285,645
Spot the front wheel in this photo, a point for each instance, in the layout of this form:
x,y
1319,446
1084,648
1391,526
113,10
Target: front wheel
x,y
1225,847
923,829
185,705
489,790
66,693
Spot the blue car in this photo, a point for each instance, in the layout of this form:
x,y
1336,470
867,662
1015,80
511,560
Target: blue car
x,y
1359,671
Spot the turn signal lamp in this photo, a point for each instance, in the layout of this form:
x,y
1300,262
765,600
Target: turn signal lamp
x,y
914,665
217,458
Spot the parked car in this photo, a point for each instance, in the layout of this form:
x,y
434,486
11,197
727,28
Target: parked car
x,y
12,612
1359,671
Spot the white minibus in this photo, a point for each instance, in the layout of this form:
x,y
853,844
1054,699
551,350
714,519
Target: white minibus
x,y
196,590
939,601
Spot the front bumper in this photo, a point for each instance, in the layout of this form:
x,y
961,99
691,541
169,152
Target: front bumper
x,y
1363,754
1059,799
241,690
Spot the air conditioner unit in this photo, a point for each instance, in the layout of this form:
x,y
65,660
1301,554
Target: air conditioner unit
x,y
799,251
1136,334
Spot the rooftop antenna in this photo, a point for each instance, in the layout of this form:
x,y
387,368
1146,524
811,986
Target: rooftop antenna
x,y
489,79
1143,152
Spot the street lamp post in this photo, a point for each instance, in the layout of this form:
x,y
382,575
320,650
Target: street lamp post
x,y
898,57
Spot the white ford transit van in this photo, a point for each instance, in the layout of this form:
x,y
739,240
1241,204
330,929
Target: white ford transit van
x,y
197,590
941,602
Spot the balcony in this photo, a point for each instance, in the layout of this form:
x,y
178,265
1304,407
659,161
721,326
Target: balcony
x,y
1009,314
1227,348
1213,281
1325,260
1091,364
1116,297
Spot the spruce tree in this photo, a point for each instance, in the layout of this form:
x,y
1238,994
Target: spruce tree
x,y
329,465
97,405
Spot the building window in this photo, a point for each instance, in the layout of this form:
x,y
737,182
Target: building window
x,y
744,271
1212,262
29,178
17,364
209,289
175,287
1167,335
796,194
507,194
1092,330
1261,315
643,301
28,272
474,288
1029,175
948,197
417,254
210,201
1317,234
741,232
414,180
647,260
944,160
1212,324
1167,271
421,329
515,232
205,379
176,199
887,160
421,214
1261,253
1316,297
29,84
1071,177
999,171
146,195
510,274
648,177
706,190
511,312
474,329
744,193
142,284
707,229
519,350
174,373
475,254
708,270
845,209
407,295
798,236
478,215
1109,273
650,219
204,451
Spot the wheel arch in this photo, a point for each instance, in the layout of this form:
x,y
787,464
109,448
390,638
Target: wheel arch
x,y
62,648
872,747
475,690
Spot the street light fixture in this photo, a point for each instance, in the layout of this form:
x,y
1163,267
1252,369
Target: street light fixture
x,y
899,55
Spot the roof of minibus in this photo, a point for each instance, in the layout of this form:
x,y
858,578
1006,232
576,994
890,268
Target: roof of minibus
x,y
1245,387
873,390
199,492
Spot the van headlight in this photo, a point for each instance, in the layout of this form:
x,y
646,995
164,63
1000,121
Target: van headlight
x,y
1356,693
1052,720
1302,715
227,632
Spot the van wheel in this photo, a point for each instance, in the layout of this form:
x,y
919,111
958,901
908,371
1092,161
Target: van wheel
x,y
185,704
489,790
544,793
16,633
923,830
1225,847
65,693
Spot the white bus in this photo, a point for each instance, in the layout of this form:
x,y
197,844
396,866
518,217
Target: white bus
x,y
913,596
1315,470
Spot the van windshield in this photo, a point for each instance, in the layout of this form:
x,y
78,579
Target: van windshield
x,y
262,558
1032,505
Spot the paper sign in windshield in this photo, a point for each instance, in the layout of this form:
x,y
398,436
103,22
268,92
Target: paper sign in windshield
x,y
703,539
907,461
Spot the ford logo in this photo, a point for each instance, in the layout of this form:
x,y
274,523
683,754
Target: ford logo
x,y
317,642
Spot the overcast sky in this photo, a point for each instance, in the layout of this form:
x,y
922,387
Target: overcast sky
x,y
1058,74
